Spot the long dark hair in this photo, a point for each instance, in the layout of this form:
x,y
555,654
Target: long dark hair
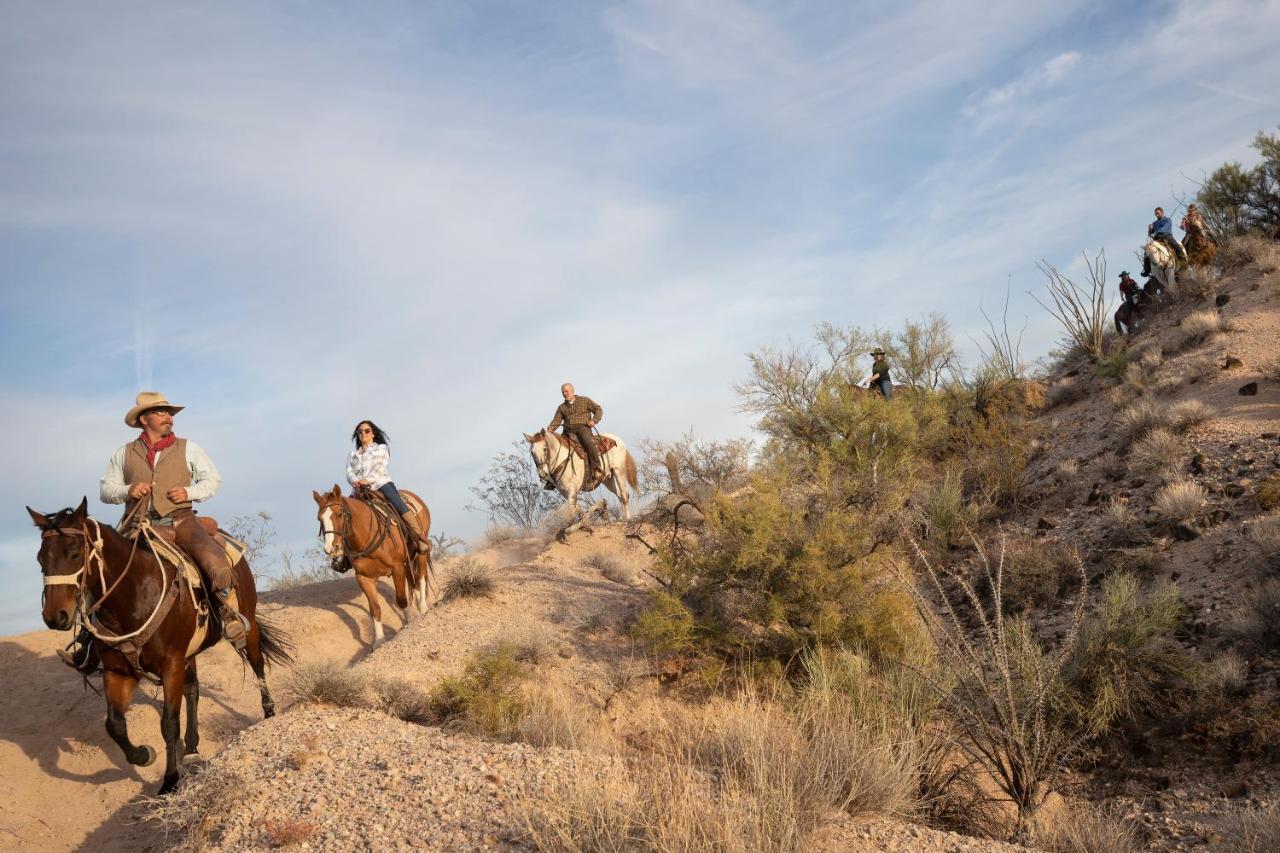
x,y
379,437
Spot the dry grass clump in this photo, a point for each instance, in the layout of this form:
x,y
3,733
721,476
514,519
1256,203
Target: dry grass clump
x,y
944,511
1200,282
327,682
502,534
1039,572
1260,621
1180,500
1196,328
1086,830
1140,374
402,700
1185,414
612,567
1239,252
1252,830
1226,674
1265,531
1155,450
1201,370
553,718
1067,468
582,617
1064,392
469,578
747,773
1141,417
1268,493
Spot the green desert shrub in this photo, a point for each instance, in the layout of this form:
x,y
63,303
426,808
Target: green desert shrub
x,y
1127,663
487,697
1268,493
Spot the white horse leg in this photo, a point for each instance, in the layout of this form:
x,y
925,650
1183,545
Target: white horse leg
x,y
378,636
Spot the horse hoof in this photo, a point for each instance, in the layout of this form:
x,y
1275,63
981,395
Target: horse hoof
x,y
193,759
167,787
148,756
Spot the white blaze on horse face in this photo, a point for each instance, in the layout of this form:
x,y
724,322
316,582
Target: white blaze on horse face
x,y
330,541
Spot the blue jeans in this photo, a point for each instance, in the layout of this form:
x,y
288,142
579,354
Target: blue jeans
x,y
392,494
885,387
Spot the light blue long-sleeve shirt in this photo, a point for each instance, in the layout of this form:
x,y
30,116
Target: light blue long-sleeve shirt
x,y
1163,225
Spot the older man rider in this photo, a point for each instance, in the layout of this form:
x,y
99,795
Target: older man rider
x,y
579,415
167,475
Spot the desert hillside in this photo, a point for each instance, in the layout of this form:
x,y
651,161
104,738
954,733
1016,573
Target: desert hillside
x,y
539,703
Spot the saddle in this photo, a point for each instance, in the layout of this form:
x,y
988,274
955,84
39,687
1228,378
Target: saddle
x,y
379,503
603,444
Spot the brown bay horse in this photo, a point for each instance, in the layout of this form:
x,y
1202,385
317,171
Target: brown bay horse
x,y
371,538
144,622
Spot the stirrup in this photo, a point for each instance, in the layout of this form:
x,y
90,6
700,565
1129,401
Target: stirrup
x,y
81,658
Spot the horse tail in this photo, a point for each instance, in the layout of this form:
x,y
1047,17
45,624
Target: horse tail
x,y
277,646
632,477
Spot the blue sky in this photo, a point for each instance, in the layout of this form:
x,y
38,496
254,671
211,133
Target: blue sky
x,y
292,216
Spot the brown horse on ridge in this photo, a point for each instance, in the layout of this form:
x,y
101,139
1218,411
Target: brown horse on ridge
x,y
145,622
371,538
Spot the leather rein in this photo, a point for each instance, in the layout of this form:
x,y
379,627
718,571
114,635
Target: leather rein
x,y
381,524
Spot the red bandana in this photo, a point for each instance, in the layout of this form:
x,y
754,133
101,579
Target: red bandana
x,y
152,449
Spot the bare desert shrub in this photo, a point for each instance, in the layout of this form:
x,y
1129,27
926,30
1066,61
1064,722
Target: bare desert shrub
x,y
1087,830
701,468
1141,417
1064,392
469,578
1003,686
1185,414
532,645
401,699
1180,500
1154,450
511,492
1081,310
328,682
586,618
1127,663
497,535
1252,830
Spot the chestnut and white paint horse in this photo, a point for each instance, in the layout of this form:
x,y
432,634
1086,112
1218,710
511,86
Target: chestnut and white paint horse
x,y
367,536
1164,264
557,462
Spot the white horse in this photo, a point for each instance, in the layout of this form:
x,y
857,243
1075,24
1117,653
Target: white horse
x,y
556,461
1164,264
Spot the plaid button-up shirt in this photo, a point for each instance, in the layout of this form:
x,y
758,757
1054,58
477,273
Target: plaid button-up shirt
x,y
579,411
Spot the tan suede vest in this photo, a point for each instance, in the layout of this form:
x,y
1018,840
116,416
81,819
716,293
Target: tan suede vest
x,y
170,472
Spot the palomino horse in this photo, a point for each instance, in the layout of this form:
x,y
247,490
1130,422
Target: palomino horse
x,y
1164,264
1126,315
376,547
144,621
556,461
1200,249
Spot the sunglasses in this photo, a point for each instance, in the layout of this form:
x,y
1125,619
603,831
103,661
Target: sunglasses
x,y
365,431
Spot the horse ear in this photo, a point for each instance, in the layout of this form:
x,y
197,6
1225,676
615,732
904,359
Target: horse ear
x,y
82,511
316,496
527,437
39,518
337,492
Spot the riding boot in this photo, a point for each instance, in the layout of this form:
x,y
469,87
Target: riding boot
x,y
411,519
81,655
235,626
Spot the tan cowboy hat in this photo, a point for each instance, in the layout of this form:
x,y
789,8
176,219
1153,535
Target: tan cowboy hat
x,y
149,400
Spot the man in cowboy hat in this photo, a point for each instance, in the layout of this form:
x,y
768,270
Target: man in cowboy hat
x,y
1128,289
167,474
579,415
880,374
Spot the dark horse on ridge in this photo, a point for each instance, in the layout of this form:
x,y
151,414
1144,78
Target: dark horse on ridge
x,y
145,622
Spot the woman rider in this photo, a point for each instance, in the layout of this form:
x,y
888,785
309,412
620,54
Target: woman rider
x,y
367,468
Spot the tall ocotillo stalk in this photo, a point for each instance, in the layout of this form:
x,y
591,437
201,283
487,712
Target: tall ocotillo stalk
x,y
1082,311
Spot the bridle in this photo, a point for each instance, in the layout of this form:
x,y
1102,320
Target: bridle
x,y
543,467
383,527
95,563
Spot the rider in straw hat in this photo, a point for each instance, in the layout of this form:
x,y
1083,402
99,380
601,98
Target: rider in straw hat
x,y
879,380
166,475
